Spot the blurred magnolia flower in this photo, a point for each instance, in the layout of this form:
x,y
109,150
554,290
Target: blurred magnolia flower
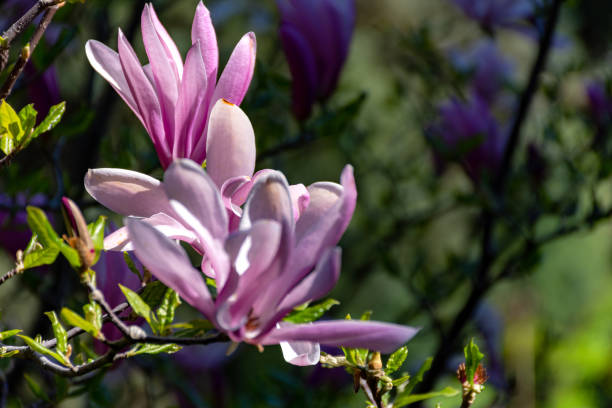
x,y
599,103
269,265
468,132
496,13
315,35
487,67
230,164
14,231
173,100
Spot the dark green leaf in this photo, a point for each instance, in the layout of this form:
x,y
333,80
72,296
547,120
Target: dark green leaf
x,y
396,360
311,313
59,332
36,388
153,294
406,399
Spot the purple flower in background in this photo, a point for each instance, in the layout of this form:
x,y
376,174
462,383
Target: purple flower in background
x,y
265,268
230,164
14,231
600,103
174,100
315,35
468,132
496,13
489,69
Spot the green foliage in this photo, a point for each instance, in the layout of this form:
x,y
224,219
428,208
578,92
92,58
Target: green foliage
x,y
9,333
74,319
153,349
396,360
403,400
36,389
165,312
131,266
311,313
193,328
59,332
37,346
48,238
153,294
36,255
419,375
473,357
18,130
140,307
96,232
93,314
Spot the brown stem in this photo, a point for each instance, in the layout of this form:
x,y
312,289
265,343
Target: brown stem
x,y
25,54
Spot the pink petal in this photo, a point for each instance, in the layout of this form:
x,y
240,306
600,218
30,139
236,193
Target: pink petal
x,y
269,199
145,97
230,148
371,335
236,77
106,62
203,31
299,353
169,263
170,47
191,109
300,198
127,192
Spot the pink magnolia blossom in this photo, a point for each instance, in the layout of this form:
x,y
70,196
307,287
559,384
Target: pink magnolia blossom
x,y
270,264
174,100
230,164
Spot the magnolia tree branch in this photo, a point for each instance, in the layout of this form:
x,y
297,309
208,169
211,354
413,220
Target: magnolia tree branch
x,y
29,49
483,282
20,25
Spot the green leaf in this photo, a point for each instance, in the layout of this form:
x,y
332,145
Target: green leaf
x,y
39,348
154,349
153,294
74,319
193,328
45,256
396,360
8,333
473,357
311,313
366,315
51,120
140,307
131,266
404,399
93,314
39,224
70,254
10,128
59,332
8,353
27,116
165,312
419,375
400,381
96,232
36,388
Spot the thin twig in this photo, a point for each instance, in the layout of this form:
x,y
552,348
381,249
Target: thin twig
x,y
13,272
28,50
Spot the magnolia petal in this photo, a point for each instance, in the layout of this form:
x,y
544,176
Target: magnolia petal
x,y
237,74
170,47
186,183
300,198
191,109
203,31
169,263
371,335
127,192
230,147
299,353
269,199
106,62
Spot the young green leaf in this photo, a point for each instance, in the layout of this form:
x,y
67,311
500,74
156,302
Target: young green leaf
x,y
153,294
154,349
39,224
8,333
45,256
96,232
131,266
165,312
51,120
36,389
473,357
73,319
311,313
419,375
93,314
59,332
39,348
400,381
27,116
396,360
406,399
140,307
10,127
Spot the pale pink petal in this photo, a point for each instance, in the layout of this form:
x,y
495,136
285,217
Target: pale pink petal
x,y
169,46
230,148
127,192
237,74
299,353
300,198
203,31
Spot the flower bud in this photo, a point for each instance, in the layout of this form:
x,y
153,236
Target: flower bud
x,y
79,234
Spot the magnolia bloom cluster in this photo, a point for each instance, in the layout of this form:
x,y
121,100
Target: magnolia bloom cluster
x,y
315,35
172,99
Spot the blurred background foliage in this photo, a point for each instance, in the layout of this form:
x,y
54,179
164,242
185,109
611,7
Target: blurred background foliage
x,y
411,253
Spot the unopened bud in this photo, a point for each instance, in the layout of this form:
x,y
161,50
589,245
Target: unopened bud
x,y
79,234
136,332
25,52
375,362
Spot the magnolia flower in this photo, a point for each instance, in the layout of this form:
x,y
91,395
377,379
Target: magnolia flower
x,y
174,101
315,35
230,164
468,132
265,268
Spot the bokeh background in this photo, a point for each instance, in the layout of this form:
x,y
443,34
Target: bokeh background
x,y
411,252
